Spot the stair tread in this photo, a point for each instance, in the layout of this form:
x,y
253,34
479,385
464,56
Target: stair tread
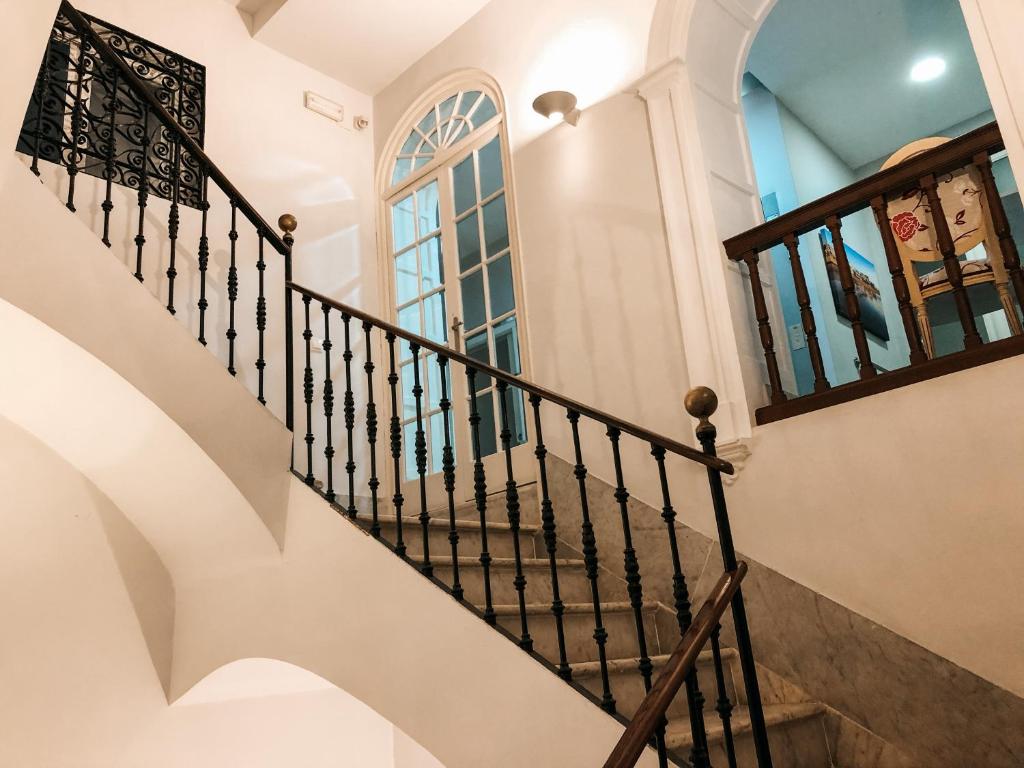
x,y
504,562
585,669
412,520
533,609
678,736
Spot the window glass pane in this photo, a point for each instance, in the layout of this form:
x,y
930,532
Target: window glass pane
x,y
408,382
469,100
474,311
495,226
405,276
428,123
462,130
464,181
422,160
408,320
403,224
402,169
410,144
484,112
514,403
447,107
409,449
488,437
506,346
428,209
477,348
491,176
434,383
434,318
431,264
468,232
499,279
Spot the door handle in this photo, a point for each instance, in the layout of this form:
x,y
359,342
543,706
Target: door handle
x,y
456,335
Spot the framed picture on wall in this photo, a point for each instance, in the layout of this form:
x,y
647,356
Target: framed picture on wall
x,y
865,281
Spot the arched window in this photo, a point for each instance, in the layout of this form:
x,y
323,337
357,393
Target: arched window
x,y
452,263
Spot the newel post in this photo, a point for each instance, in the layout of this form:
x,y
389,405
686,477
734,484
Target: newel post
x,y
701,403
288,225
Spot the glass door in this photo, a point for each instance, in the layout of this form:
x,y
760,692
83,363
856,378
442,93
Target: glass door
x,y
453,281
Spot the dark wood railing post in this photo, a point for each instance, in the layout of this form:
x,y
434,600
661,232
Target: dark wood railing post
x,y
1000,225
776,395
701,403
288,224
952,264
879,206
860,339
803,300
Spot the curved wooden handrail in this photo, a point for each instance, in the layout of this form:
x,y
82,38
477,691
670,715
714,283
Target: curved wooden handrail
x,y
141,91
857,196
670,445
653,708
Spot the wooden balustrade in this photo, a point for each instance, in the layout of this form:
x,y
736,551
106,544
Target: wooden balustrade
x,y
923,173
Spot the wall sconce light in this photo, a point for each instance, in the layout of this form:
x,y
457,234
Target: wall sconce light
x,y
557,105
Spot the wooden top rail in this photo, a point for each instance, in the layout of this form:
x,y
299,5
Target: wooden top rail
x,y
652,711
144,92
672,446
896,180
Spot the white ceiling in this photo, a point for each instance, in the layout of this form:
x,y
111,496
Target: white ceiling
x,y
843,69
363,43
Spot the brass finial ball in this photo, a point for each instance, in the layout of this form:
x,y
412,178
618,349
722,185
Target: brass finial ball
x,y
701,402
288,223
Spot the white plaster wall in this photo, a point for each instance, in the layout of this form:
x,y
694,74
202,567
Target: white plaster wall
x,y
282,157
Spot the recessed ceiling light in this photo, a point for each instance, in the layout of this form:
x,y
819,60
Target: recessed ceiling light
x,y
927,69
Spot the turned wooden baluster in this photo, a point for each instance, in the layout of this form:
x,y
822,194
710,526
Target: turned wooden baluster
x,y
764,327
803,299
879,206
860,339
952,264
1000,225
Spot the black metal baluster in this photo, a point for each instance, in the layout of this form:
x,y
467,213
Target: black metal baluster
x,y
634,586
371,431
173,221
480,494
204,258
724,706
140,238
547,516
261,320
307,391
76,124
421,458
350,417
590,560
109,153
396,446
43,85
232,288
328,404
701,403
512,504
448,466
684,617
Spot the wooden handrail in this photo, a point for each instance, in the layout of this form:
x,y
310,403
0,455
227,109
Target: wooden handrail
x,y
653,708
896,180
142,91
670,445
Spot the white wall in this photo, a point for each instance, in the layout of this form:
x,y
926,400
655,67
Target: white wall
x,y
282,157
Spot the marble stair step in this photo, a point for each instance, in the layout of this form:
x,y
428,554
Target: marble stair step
x,y
796,734
628,688
578,625
499,535
572,579
529,506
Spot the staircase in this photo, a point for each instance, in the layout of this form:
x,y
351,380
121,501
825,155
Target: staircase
x,y
610,632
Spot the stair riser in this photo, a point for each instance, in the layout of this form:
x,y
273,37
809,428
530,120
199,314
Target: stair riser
x,y
800,744
628,689
572,583
496,508
499,543
579,635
